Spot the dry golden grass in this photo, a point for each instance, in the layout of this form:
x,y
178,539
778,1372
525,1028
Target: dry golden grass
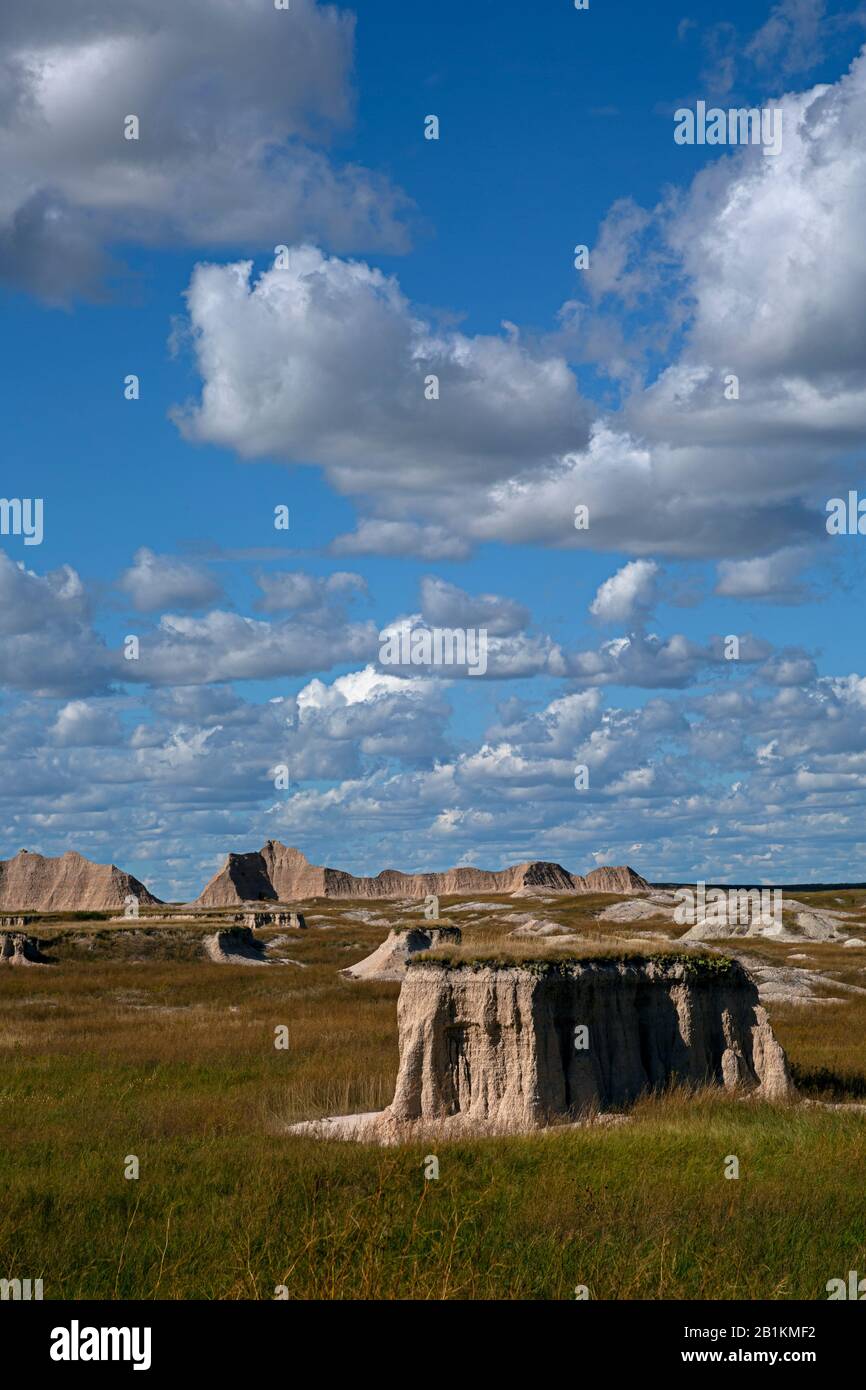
x,y
132,1044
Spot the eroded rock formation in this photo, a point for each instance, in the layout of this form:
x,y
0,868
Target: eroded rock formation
x,y
616,879
512,1048
257,920
236,946
279,873
390,961
803,924
18,949
70,883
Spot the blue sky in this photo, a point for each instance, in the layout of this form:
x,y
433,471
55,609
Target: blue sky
x,y
304,387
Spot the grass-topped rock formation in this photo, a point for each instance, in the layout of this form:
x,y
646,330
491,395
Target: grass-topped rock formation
x,y
502,1044
280,873
390,961
488,1045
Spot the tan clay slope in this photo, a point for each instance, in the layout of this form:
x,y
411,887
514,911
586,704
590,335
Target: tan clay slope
x,y
275,873
620,879
69,883
280,873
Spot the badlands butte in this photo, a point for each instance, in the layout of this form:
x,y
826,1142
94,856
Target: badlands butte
x,y
281,873
278,873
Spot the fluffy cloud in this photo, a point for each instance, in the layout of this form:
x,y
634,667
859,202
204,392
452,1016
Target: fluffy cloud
x,y
326,362
225,646
445,605
234,101
629,595
774,578
470,653
86,724
381,717
645,499
774,244
789,668
48,645
286,590
657,663
163,581
51,647
376,536
357,688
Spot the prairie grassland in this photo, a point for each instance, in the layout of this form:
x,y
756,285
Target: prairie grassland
x,y
118,1050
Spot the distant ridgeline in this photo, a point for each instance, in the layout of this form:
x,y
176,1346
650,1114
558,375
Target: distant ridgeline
x,y
278,873
284,874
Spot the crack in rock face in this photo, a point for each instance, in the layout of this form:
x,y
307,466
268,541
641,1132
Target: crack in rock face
x,y
513,1048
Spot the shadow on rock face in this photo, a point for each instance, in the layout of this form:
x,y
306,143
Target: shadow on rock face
x,y
390,961
16,948
236,946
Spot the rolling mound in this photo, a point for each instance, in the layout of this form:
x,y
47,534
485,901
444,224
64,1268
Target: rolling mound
x,y
617,879
280,873
70,883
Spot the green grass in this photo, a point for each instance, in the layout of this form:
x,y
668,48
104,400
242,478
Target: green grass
x,y
547,956
172,1059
